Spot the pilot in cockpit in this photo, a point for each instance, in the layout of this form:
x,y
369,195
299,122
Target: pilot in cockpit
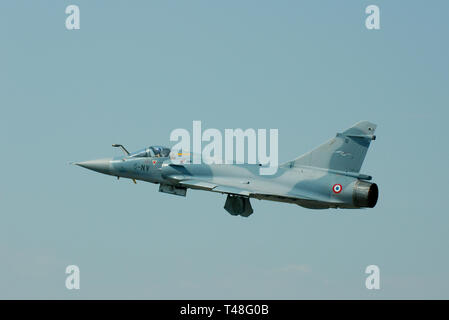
x,y
160,152
154,151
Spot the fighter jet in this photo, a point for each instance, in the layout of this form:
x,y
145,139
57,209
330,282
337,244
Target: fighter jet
x,y
326,177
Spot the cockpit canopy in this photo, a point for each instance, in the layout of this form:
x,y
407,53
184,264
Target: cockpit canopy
x,y
153,151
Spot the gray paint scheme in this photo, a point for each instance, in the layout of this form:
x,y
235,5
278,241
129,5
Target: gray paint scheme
x,y
308,181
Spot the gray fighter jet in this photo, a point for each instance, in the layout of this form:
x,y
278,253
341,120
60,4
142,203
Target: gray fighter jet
x,y
326,177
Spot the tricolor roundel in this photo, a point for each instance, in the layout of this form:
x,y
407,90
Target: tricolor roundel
x,y
337,188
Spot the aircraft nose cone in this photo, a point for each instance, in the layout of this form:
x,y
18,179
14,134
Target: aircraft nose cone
x,y
99,165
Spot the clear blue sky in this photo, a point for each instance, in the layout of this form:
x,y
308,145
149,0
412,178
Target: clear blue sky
x,y
137,70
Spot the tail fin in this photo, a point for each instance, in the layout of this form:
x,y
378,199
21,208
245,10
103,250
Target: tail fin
x,y
345,152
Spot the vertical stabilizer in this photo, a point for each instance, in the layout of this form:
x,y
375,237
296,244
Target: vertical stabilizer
x,y
345,152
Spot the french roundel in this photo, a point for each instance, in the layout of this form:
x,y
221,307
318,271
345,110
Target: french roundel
x,y
337,188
